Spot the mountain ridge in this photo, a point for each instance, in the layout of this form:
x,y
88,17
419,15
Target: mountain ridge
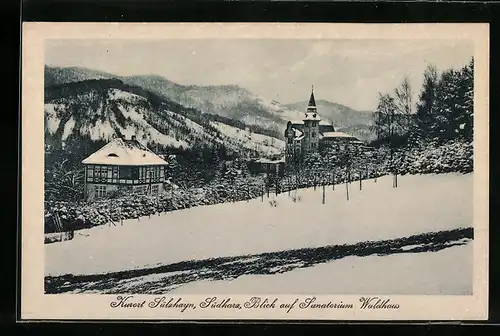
x,y
228,101
100,109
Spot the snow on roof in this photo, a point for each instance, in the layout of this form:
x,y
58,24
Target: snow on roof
x,y
336,135
321,122
124,152
264,160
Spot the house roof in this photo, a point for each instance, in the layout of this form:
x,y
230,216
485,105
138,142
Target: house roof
x,y
336,135
321,122
124,153
264,160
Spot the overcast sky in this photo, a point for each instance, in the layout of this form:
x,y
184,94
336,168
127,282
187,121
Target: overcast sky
x,y
349,72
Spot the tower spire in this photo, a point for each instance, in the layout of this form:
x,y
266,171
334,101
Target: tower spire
x,y
312,101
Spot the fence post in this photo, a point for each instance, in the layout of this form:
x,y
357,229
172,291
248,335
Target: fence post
x,y
347,188
248,193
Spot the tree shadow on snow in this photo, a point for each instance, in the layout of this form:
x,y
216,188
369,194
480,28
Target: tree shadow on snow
x,y
161,279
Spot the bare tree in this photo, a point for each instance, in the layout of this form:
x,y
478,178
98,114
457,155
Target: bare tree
x,y
386,111
404,105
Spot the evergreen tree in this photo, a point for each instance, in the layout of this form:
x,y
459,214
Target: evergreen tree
x,y
466,92
426,105
447,102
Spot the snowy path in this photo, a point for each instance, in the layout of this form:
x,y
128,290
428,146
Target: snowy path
x,y
421,204
162,279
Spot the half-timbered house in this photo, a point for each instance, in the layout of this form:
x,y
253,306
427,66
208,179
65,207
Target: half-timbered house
x,y
123,165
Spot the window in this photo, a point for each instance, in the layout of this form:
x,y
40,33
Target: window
x,y
155,189
125,172
97,172
143,190
142,173
100,172
103,172
112,155
313,134
100,191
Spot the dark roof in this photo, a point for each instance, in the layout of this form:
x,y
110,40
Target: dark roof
x,y
312,101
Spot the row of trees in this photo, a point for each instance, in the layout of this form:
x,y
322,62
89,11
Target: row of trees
x,y
443,111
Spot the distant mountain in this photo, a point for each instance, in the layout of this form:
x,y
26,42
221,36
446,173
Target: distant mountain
x,y
344,118
58,75
99,109
229,101
341,115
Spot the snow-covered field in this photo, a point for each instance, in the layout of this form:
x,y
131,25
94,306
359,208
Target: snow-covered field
x,y
446,272
420,204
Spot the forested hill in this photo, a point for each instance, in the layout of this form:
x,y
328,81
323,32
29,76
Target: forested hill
x,y
95,110
232,102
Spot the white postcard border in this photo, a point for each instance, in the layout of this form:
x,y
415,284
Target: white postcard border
x,y
37,305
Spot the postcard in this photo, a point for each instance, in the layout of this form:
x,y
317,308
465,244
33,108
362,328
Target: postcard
x,y
254,171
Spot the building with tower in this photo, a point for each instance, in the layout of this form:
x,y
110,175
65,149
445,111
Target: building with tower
x,y
311,134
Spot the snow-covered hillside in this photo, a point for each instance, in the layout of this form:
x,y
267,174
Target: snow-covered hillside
x,y
230,101
101,121
112,110
255,141
421,204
